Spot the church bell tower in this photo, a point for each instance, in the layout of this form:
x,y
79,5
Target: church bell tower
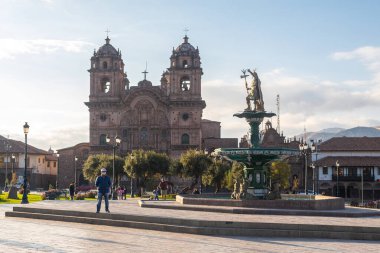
x,y
108,84
182,84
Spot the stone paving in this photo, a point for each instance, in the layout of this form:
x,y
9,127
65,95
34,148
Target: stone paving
x,y
28,235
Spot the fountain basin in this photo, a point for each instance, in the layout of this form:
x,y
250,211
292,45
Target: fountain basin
x,y
288,201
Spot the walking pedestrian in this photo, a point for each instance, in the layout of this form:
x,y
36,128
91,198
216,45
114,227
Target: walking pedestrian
x,y
72,190
163,188
103,182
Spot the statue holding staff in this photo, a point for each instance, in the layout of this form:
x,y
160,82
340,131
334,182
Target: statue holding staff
x,y
253,92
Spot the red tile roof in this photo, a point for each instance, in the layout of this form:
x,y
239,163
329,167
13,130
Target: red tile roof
x,y
349,161
19,147
350,144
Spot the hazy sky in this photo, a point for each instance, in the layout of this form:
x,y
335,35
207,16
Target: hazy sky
x,y
322,57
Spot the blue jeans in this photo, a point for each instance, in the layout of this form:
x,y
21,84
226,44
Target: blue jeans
x,y
100,195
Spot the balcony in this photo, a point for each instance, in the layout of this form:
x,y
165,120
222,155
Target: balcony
x,y
366,178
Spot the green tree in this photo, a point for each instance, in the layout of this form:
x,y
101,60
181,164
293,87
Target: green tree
x,y
142,165
94,163
280,173
194,164
14,178
216,173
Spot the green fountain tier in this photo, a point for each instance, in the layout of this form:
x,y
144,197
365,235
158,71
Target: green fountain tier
x,y
257,162
254,119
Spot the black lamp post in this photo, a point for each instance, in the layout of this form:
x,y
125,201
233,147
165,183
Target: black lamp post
x,y
75,171
13,164
304,148
25,194
132,193
115,144
56,179
337,178
7,148
314,149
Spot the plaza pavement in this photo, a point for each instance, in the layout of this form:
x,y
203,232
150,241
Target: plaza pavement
x,y
29,235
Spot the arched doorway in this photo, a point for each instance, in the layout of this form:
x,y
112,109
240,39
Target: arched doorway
x,y
352,191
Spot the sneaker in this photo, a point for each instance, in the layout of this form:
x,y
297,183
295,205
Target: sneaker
x,y
108,211
97,211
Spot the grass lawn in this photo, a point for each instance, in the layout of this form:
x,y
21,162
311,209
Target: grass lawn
x,y
31,198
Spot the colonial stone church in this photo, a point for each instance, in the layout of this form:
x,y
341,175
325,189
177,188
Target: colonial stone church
x,y
165,117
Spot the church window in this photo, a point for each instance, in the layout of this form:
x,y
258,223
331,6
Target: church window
x,y
185,83
125,133
185,139
184,64
103,139
185,116
143,134
106,85
103,117
105,65
164,134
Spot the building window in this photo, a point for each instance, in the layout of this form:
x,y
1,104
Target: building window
x,y
48,164
378,170
125,133
184,64
55,164
105,65
105,85
39,160
185,116
102,139
185,139
325,171
144,134
103,117
185,83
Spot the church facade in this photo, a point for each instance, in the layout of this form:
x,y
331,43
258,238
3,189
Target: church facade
x,y
165,117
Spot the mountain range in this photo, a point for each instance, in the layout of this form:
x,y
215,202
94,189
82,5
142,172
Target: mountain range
x,y
329,133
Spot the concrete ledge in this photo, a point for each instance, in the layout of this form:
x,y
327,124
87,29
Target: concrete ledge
x,y
315,203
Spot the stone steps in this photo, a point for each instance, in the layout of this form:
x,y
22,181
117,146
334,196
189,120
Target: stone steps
x,y
237,210
202,227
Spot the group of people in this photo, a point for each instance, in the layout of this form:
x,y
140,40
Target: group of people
x,y
121,193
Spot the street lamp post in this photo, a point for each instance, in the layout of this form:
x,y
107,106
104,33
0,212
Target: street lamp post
x,y
304,151
25,193
56,178
362,187
115,144
313,168
75,171
13,163
314,149
132,194
7,148
337,178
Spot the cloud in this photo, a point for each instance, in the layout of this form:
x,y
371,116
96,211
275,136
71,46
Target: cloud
x,y
10,48
369,56
307,101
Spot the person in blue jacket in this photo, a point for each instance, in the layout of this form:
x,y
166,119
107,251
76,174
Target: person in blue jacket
x,y
103,182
